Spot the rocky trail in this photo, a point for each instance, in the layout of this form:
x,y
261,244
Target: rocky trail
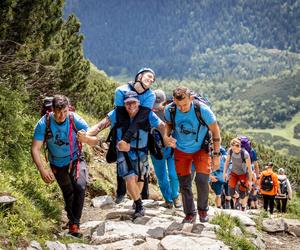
x,y
106,225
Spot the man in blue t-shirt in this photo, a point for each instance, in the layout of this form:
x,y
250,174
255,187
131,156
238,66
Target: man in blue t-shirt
x,y
58,130
188,139
132,158
143,80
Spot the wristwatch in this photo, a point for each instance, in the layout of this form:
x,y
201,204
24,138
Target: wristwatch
x,y
217,153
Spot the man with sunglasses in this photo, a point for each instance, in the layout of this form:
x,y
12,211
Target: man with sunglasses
x,y
187,137
241,171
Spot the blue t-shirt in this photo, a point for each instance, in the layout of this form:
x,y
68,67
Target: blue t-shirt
x,y
58,144
147,99
143,135
186,127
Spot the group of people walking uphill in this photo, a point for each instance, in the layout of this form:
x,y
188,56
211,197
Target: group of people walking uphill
x,y
186,129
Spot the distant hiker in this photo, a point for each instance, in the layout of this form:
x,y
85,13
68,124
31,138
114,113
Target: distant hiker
x,y
285,191
165,168
143,80
252,200
269,187
190,139
246,144
132,159
58,131
240,165
216,178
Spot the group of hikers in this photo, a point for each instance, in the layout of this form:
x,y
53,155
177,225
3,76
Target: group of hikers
x,y
184,141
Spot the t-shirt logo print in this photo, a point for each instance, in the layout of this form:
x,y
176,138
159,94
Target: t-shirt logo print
x,y
187,129
61,139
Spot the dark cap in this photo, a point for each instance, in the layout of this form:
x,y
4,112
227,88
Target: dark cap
x,y
131,96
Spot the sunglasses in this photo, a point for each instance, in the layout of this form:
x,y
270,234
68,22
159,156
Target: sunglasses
x,y
235,145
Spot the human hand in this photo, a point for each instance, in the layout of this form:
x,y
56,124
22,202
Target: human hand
x,y
47,175
170,141
225,177
82,136
213,178
123,146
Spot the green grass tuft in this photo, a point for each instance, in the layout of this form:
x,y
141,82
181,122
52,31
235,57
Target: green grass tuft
x,y
227,223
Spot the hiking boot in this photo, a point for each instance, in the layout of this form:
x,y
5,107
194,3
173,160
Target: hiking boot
x,y
167,204
177,203
189,218
74,230
203,216
139,212
119,199
227,204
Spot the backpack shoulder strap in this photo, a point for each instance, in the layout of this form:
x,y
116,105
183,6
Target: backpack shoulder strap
x,y
172,110
197,107
48,133
230,153
243,155
72,120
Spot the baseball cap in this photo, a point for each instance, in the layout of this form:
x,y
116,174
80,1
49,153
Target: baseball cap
x,y
131,96
160,97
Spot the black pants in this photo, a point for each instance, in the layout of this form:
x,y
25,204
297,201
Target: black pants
x,y
121,187
281,205
269,202
73,189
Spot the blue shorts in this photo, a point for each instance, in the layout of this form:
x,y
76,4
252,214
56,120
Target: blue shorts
x,y
125,172
217,187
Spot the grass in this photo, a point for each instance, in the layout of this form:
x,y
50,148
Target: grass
x,y
287,132
227,223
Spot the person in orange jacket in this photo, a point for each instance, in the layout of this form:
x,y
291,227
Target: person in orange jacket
x,y
269,186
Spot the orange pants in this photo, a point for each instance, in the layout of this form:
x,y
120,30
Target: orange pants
x,y
234,178
183,162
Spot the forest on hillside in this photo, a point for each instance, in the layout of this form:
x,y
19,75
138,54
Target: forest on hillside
x,y
41,54
243,55
172,35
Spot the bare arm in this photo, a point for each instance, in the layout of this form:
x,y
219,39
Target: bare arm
x,y
168,139
248,164
162,128
90,137
104,123
256,168
226,164
46,175
216,138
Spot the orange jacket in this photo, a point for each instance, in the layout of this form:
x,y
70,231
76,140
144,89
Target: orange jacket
x,y
274,191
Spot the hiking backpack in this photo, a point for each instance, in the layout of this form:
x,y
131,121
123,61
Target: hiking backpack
x,y
267,183
46,109
283,186
198,100
246,144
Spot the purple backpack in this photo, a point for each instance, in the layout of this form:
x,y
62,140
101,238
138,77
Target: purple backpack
x,y
246,144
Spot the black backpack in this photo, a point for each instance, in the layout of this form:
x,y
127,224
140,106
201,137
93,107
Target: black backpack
x,y
283,186
198,100
267,183
156,144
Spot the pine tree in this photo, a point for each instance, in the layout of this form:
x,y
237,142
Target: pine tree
x,y
74,68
